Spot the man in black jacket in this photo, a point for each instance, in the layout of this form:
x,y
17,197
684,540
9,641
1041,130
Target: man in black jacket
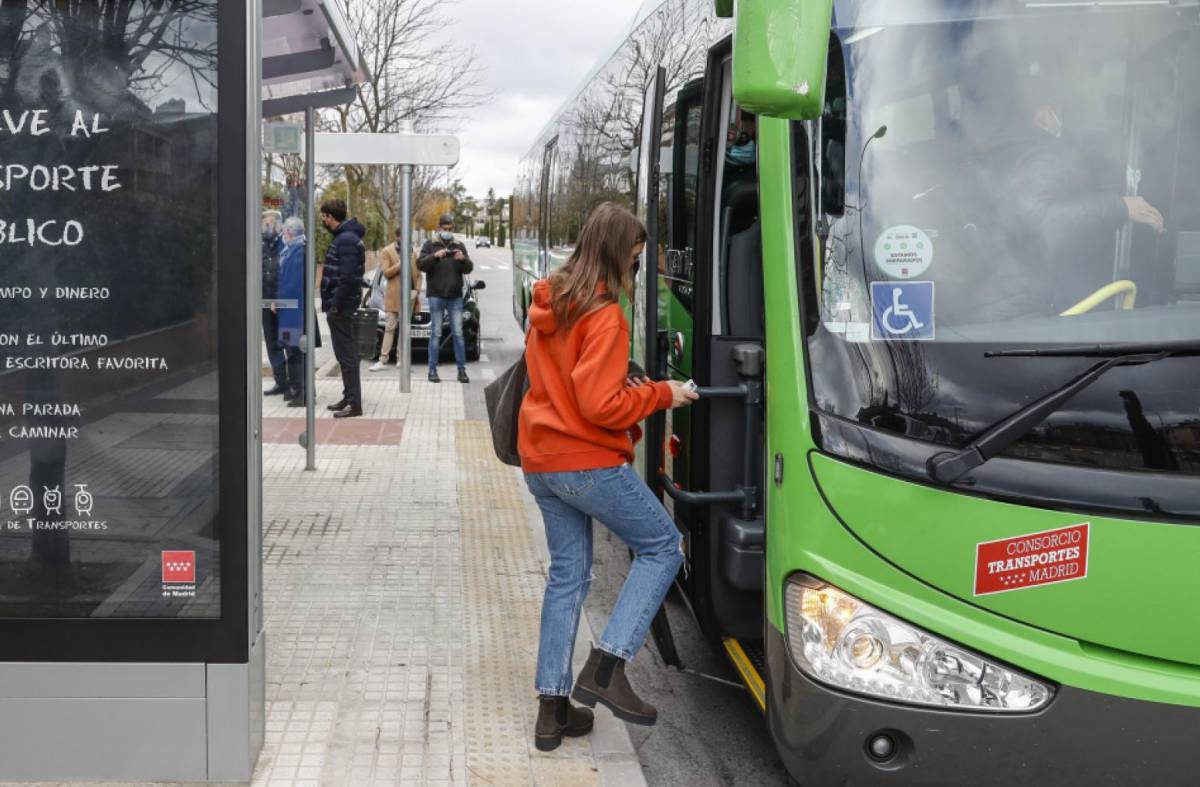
x,y
341,292
444,261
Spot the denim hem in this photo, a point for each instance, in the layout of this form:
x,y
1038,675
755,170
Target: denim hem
x,y
624,655
554,693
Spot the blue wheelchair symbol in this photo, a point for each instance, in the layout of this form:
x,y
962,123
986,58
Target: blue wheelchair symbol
x,y
902,310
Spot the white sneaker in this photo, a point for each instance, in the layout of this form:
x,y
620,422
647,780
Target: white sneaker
x,y
378,366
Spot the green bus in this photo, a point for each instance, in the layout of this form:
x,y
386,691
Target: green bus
x,y
935,265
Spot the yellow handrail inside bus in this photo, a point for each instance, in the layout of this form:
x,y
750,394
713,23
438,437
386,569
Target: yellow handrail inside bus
x,y
1124,286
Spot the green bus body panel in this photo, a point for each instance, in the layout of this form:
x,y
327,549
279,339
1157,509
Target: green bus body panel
x,y
804,535
779,53
1136,571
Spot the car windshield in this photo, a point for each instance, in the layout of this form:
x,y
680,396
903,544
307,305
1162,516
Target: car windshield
x,y
1029,178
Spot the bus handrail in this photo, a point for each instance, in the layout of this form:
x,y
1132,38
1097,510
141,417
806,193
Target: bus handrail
x,y
750,391
741,495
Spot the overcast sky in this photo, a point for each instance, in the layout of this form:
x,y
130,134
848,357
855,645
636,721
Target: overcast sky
x,y
532,54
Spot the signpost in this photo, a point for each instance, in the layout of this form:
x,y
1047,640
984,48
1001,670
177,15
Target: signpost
x,y
407,150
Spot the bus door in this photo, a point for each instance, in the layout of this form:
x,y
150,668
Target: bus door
x,y
712,329
642,308
642,311
549,159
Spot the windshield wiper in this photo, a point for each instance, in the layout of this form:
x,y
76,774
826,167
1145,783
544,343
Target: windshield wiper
x,y
949,466
1102,350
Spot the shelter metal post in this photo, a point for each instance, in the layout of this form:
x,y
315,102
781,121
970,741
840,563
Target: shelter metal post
x,y
404,351
310,280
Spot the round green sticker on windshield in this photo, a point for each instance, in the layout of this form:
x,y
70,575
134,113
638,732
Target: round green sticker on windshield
x,y
903,252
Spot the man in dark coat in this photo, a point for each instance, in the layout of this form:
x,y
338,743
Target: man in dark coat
x,y
444,261
341,293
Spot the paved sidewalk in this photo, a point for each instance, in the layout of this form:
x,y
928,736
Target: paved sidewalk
x,y
403,583
403,586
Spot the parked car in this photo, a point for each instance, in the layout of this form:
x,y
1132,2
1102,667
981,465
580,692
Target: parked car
x,y
421,329
483,243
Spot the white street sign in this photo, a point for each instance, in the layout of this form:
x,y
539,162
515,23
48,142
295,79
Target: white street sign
x,y
283,137
430,150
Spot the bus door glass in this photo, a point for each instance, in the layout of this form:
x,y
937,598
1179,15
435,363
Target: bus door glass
x,y
642,309
549,162
678,185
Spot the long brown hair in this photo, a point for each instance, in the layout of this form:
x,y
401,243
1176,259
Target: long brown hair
x,y
601,256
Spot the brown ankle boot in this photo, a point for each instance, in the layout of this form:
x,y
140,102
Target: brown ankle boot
x,y
603,680
558,717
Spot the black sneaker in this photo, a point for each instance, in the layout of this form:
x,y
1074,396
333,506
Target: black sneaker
x,y
275,391
350,411
462,376
337,406
433,377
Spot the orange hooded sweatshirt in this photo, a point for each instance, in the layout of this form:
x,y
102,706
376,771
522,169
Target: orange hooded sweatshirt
x,y
578,412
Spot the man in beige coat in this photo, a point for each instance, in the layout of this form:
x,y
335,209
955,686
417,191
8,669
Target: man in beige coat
x,y
389,258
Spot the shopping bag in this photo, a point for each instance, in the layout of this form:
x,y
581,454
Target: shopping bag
x,y
378,291
503,397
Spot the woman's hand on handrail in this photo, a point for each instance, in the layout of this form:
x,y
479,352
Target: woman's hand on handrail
x,y
681,394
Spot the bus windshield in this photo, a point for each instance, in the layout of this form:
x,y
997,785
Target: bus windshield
x,y
1029,178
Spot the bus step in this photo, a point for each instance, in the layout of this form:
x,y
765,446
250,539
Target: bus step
x,y
749,659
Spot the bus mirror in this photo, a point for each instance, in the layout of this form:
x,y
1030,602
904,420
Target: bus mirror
x,y
779,54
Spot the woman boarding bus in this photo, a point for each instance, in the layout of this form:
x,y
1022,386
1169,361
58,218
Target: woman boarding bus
x,y
578,427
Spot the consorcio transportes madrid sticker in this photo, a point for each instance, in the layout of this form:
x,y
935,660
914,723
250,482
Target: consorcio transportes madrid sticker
x,y
1031,560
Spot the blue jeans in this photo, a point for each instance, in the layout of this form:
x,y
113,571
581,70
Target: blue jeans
x,y
621,501
437,307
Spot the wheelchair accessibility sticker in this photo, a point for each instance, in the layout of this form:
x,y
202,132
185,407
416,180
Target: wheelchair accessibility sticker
x,y
902,310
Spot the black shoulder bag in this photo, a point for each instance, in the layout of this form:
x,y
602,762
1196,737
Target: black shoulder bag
x,y
504,396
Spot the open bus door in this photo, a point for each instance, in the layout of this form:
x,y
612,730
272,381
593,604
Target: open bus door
x,y
712,331
546,176
643,313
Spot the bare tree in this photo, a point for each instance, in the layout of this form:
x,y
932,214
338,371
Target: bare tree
x,y
417,73
106,47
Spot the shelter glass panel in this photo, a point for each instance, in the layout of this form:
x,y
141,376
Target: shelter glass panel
x,y
108,375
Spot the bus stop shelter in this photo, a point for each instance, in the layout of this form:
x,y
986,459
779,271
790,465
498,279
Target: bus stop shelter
x,y
131,620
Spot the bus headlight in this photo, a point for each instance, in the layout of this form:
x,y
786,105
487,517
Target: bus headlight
x,y
841,641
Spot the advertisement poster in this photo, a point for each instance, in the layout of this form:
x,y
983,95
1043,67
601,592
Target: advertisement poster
x,y
108,333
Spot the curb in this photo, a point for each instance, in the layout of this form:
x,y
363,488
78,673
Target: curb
x,y
616,759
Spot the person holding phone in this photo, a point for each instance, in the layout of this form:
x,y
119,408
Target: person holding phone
x,y
444,261
578,425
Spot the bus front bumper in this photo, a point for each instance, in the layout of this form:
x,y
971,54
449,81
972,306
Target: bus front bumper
x,y
1081,738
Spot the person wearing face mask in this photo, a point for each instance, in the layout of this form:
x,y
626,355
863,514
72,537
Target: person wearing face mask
x,y
341,290
577,430
444,261
740,142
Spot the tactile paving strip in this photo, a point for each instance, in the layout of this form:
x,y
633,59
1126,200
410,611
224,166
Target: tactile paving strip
x,y
503,582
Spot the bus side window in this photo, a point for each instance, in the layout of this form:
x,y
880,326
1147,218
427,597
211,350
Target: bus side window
x,y
679,179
